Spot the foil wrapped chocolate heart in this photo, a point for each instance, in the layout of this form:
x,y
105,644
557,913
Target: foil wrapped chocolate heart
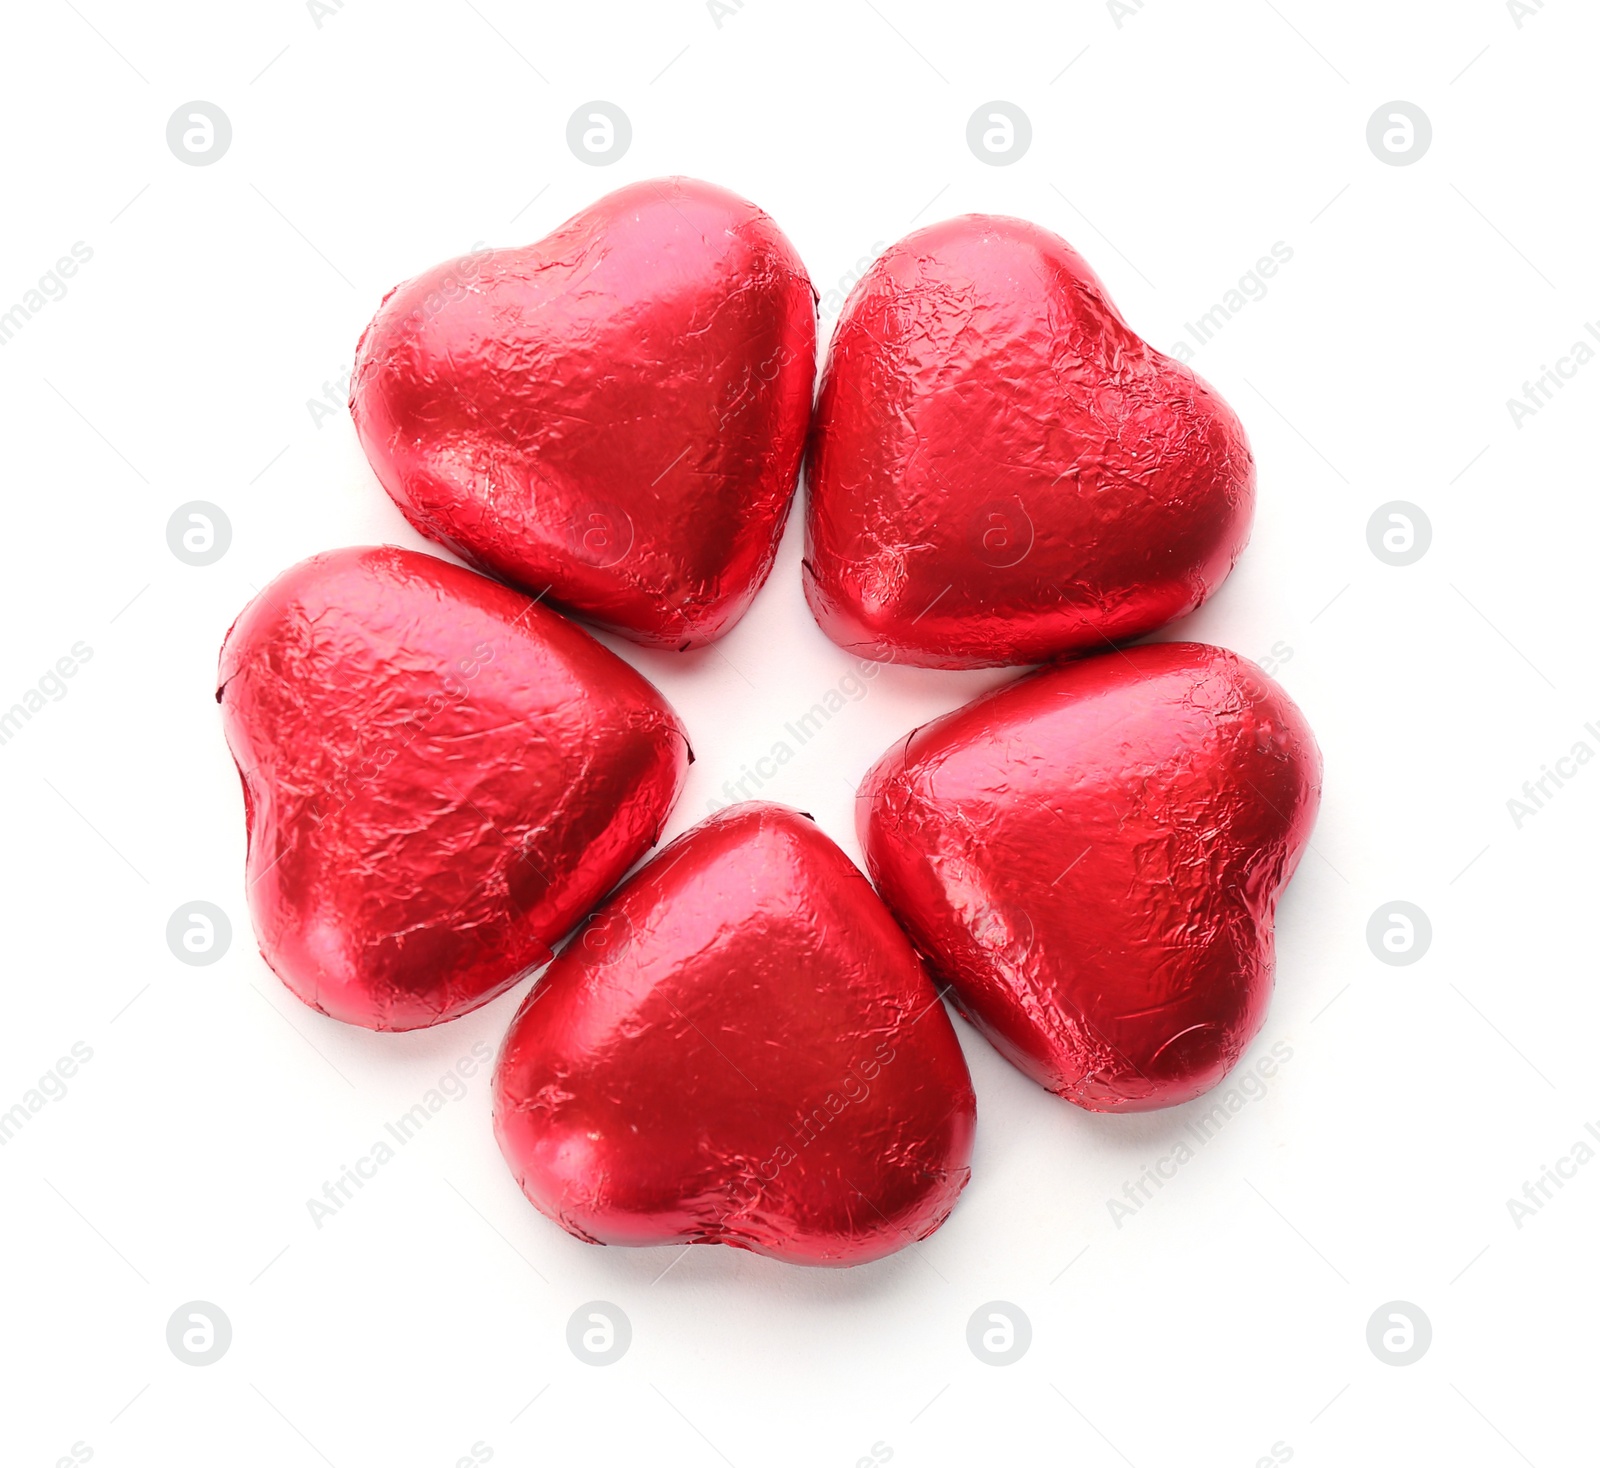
x,y
740,1048
1001,470
440,778
614,415
1092,858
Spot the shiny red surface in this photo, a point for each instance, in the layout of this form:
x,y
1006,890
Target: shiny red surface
x,y
1000,470
615,414
440,779
740,1048
1093,857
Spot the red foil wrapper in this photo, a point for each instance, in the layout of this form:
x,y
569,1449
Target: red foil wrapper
x,y
1092,857
1000,470
614,415
740,1048
440,778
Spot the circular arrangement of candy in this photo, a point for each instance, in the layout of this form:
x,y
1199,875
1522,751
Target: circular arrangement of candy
x,y
746,1042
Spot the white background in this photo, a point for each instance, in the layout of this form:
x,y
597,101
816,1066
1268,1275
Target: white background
x,y
1230,1313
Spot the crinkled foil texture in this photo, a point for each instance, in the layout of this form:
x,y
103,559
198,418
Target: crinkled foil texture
x,y
1093,856
741,1047
1000,470
440,779
615,415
